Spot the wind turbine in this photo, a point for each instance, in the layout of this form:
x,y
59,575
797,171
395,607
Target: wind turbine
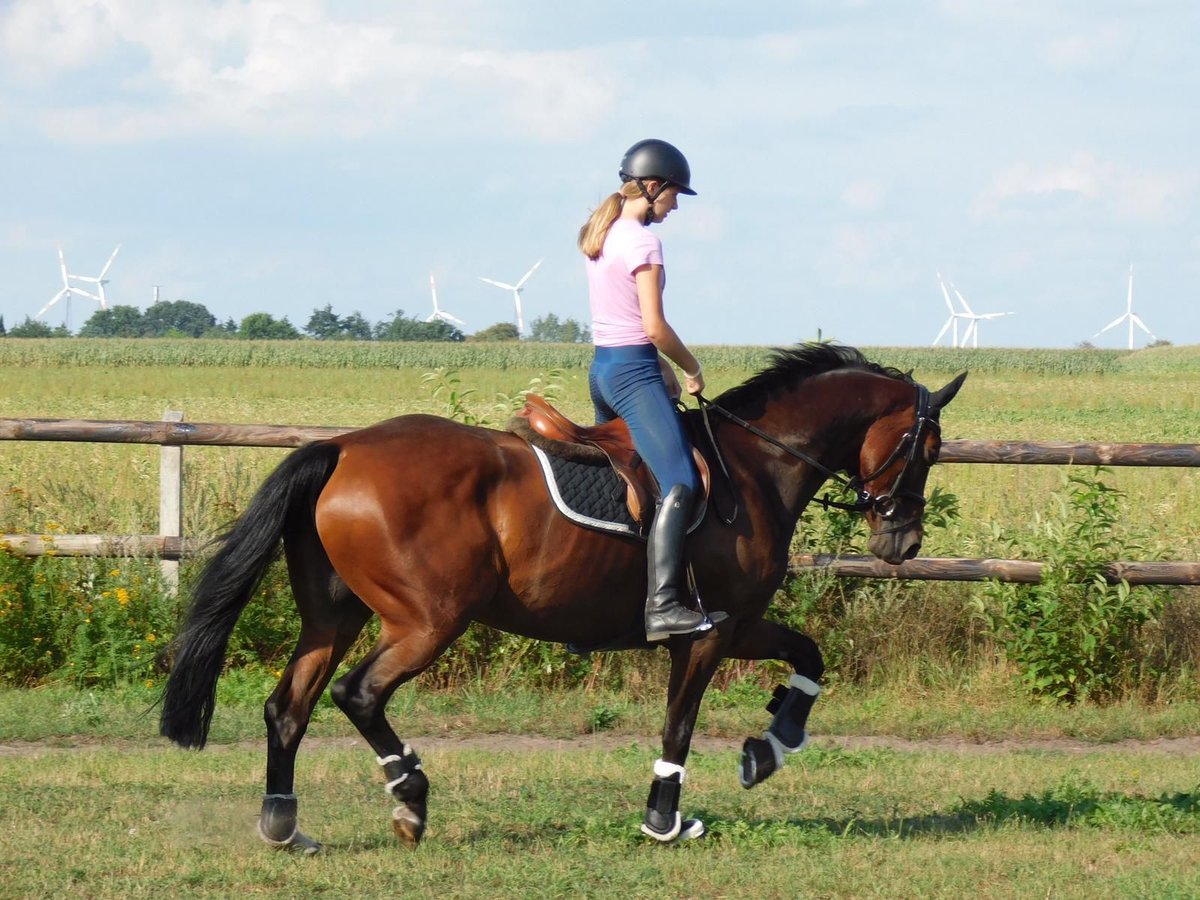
x,y
438,315
1129,314
516,290
68,289
951,322
972,332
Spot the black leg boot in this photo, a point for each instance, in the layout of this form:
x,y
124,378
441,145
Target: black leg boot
x,y
665,614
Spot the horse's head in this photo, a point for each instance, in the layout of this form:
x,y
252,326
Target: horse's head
x,y
894,464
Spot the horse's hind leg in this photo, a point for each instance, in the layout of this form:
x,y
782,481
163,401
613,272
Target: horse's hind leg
x,y
362,694
790,706
331,618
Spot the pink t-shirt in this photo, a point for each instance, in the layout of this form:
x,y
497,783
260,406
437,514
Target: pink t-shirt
x,y
612,289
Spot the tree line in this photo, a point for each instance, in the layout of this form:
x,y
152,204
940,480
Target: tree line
x,y
184,319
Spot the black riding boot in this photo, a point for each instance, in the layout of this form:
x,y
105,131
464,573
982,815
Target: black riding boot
x,y
665,614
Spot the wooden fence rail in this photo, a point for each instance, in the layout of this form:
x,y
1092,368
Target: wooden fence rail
x,y
1051,453
173,434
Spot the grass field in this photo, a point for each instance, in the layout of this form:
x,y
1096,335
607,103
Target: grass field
x,y
98,807
139,822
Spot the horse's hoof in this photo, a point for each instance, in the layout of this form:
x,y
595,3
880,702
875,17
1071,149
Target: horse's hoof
x,y
297,842
758,762
409,825
685,830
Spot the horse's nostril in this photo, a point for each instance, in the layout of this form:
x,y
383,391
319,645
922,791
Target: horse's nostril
x,y
911,552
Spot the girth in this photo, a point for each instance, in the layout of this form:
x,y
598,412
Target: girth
x,y
545,427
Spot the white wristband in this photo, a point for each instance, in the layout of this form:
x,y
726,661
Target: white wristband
x,y
696,374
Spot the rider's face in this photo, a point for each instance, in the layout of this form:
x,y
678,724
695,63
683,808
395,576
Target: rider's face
x,y
667,201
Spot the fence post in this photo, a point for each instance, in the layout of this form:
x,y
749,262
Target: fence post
x,y
170,500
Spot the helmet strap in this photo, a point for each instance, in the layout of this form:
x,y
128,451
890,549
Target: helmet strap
x,y
663,184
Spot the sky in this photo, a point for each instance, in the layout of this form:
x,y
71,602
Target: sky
x,y
281,155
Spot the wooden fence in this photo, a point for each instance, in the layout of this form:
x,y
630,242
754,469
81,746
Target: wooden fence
x,y
172,434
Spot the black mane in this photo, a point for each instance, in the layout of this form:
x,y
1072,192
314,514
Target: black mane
x,y
789,366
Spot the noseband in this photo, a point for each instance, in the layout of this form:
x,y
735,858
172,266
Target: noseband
x,y
883,505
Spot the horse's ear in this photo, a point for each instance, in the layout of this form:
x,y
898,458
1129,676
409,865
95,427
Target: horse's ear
x,y
940,398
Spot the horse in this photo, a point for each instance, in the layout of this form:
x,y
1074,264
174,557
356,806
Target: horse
x,y
431,524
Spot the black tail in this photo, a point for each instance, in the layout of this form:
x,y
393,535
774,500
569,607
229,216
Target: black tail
x,y
226,585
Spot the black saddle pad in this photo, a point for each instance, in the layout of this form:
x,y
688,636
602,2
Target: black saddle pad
x,y
589,494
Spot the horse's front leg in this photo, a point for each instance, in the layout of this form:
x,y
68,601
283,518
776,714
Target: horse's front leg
x,y
790,705
693,662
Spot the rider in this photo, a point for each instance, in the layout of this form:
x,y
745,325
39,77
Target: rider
x,y
629,378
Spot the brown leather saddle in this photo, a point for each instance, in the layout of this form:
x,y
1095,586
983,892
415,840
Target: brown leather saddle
x,y
544,426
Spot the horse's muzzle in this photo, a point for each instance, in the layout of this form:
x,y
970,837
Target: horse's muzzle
x,y
896,546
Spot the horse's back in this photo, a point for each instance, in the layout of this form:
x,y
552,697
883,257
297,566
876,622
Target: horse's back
x,y
415,460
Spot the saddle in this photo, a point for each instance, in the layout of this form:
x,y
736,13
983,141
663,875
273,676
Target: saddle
x,y
541,424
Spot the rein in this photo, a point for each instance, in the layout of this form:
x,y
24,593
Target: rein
x,y
883,504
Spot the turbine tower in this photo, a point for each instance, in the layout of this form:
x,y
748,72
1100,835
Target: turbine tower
x,y
516,291
1129,316
438,315
68,288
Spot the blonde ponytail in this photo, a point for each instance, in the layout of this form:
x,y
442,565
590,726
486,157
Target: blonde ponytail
x,y
595,229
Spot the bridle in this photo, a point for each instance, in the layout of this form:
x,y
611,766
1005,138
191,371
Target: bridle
x,y
883,505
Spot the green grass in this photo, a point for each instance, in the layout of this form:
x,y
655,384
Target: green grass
x,y
151,822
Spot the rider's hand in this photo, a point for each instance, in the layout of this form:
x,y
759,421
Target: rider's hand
x,y
694,381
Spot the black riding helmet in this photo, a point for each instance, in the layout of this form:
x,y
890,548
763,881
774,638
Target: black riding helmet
x,y
659,160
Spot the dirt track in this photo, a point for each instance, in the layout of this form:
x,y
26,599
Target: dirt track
x,y
610,741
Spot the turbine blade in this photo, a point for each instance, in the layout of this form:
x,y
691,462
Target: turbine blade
x,y
942,333
499,284
53,300
946,295
525,277
109,263
1115,322
1140,324
962,299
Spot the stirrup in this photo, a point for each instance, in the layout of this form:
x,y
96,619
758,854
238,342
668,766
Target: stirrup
x,y
664,632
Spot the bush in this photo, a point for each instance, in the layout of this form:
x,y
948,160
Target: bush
x,y
1073,635
90,622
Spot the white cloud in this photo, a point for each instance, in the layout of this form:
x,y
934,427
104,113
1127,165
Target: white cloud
x,y
698,221
274,67
872,256
865,195
1128,193
1099,47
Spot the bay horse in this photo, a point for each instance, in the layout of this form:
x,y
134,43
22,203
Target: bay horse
x,y
431,524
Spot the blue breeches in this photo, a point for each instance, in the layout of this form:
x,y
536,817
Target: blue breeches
x,y
627,382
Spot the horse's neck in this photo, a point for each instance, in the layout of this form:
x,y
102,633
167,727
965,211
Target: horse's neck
x,y
827,418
